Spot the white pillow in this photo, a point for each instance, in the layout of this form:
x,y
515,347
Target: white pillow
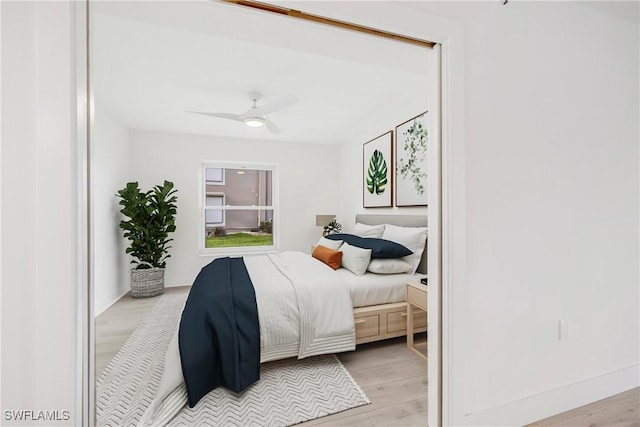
x,y
389,266
364,230
413,238
328,243
355,259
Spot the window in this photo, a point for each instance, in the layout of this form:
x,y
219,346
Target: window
x,y
214,217
238,213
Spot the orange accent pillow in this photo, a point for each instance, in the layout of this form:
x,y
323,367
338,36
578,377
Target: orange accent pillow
x,y
330,257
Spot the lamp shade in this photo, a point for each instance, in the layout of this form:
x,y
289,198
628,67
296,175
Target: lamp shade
x,y
323,220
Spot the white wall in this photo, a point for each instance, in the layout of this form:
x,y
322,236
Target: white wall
x,y
110,173
552,209
38,217
351,161
308,186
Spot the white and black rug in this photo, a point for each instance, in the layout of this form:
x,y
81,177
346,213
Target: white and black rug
x,y
289,391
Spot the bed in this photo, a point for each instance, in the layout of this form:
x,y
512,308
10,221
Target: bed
x,y
386,319
304,308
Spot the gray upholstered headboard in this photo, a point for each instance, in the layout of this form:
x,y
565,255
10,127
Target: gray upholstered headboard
x,y
400,220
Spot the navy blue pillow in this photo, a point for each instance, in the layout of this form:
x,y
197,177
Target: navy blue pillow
x,y
380,248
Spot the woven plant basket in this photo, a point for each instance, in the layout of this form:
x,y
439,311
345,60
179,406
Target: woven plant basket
x,y
147,282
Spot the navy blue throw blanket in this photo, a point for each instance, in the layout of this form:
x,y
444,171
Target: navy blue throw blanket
x,y
219,335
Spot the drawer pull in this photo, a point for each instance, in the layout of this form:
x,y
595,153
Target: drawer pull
x,y
360,321
403,314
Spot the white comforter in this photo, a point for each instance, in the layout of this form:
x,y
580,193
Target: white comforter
x,y
304,309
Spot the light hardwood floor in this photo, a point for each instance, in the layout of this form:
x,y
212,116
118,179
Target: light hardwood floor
x,y
393,377
621,410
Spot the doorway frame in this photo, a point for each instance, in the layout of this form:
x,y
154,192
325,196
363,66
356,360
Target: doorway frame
x,y
450,41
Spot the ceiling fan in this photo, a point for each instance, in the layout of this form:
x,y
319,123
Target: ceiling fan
x,y
256,115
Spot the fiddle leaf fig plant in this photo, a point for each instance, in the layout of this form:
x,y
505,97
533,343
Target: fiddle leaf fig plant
x,y
150,220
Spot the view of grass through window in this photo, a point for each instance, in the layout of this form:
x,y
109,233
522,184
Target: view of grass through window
x,y
240,239
223,237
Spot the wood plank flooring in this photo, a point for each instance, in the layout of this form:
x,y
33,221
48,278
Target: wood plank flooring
x,y
393,377
621,410
116,324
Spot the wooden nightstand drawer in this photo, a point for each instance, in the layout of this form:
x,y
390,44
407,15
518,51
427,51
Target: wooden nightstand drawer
x,y
417,296
397,321
367,326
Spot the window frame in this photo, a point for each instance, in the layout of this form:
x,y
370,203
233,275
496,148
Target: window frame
x,y
275,207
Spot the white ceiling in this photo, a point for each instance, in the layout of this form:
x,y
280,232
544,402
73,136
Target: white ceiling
x,y
626,9
153,61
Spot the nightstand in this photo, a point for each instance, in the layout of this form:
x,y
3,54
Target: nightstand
x,y
416,298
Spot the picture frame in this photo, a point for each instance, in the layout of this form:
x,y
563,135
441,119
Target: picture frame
x,y
411,162
377,172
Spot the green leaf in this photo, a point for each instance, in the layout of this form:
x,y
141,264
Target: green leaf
x,y
150,218
377,173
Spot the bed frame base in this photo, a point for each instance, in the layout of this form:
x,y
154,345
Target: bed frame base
x,y
381,322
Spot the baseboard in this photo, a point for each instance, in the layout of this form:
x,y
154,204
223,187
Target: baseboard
x,y
543,405
125,293
97,313
176,286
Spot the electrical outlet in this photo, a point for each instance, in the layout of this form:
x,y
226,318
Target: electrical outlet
x,y
562,329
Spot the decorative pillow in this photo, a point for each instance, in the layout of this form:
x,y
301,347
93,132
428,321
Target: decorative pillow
x,y
355,259
413,238
331,244
389,266
329,256
364,230
380,248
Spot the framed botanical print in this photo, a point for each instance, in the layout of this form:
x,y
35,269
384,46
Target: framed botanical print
x,y
411,172
377,164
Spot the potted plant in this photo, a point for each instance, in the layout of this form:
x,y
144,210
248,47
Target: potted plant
x,y
332,228
150,219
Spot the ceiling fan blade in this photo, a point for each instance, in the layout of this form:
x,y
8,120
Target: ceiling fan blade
x,y
219,115
273,128
273,106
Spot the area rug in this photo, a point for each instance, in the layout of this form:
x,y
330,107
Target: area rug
x,y
289,391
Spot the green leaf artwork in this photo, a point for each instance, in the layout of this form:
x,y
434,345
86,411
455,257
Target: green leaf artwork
x,y
377,173
414,155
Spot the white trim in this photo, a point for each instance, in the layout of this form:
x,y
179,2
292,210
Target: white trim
x,y
239,207
1,201
446,309
236,165
434,247
98,313
84,378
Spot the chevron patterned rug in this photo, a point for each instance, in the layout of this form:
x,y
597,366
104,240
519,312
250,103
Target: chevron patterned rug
x,y
289,391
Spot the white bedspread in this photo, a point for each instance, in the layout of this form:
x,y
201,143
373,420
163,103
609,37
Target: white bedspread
x,y
304,309
374,289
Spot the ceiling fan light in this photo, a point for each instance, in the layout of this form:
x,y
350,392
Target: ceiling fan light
x,y
254,122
